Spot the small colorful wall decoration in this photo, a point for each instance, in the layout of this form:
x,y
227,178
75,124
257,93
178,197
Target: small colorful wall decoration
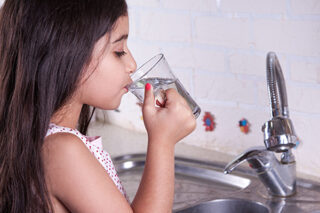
x,y
208,121
244,126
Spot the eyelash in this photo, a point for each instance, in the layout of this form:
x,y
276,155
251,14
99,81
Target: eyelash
x,y
119,54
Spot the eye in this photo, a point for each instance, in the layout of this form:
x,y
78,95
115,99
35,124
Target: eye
x,y
119,54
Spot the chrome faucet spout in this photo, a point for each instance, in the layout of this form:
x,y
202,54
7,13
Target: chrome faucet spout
x,y
279,134
279,177
276,87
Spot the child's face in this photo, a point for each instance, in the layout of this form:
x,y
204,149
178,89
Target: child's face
x,y
109,70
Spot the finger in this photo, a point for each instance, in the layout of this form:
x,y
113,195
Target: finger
x,y
161,99
149,101
172,95
162,105
175,99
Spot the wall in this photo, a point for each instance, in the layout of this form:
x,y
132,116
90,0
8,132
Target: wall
x,y
218,50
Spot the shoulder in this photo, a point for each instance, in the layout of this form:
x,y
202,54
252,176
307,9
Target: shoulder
x,y
76,178
59,153
62,148
64,154
62,143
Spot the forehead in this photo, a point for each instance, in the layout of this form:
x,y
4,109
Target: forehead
x,y
121,28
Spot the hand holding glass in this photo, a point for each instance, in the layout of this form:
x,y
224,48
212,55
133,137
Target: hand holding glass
x,y
157,72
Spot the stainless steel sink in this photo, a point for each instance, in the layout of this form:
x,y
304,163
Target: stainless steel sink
x,y
228,206
200,184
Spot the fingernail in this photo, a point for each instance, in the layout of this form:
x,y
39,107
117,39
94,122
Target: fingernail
x,y
148,86
160,104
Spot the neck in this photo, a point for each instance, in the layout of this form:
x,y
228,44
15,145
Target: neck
x,y
68,115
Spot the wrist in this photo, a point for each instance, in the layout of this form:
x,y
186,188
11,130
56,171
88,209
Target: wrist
x,y
161,143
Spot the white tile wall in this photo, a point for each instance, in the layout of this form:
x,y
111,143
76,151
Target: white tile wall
x,y
160,26
218,48
192,5
253,6
297,37
305,7
304,71
222,31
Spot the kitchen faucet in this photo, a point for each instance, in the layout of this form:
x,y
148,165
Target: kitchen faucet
x,y
278,176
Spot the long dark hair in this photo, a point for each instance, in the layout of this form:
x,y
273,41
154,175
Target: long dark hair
x,y
44,47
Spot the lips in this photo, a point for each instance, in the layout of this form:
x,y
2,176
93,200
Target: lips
x,y
128,85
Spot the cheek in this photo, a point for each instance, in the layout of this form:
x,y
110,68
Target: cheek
x,y
102,90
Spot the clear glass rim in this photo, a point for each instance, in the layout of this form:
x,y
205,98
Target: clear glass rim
x,y
140,74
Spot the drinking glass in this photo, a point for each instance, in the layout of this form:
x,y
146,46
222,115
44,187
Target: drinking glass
x,y
157,72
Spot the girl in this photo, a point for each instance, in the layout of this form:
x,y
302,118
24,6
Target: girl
x,y
57,58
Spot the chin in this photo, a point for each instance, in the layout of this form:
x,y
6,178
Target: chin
x,y
111,105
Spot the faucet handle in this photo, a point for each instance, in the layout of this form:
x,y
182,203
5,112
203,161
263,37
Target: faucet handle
x,y
278,177
258,153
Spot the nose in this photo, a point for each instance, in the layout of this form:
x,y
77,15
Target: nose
x,y
131,65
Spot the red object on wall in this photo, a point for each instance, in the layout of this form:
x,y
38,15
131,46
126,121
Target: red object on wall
x,y
208,121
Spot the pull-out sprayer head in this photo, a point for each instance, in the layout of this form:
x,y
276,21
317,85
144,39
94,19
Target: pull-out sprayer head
x,y
279,134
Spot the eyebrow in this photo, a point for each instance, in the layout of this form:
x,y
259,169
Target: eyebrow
x,y
123,37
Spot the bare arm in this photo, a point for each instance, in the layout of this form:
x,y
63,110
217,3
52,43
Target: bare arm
x,y
156,189
76,179
165,127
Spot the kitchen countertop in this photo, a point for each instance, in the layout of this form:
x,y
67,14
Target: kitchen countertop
x,y
119,141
